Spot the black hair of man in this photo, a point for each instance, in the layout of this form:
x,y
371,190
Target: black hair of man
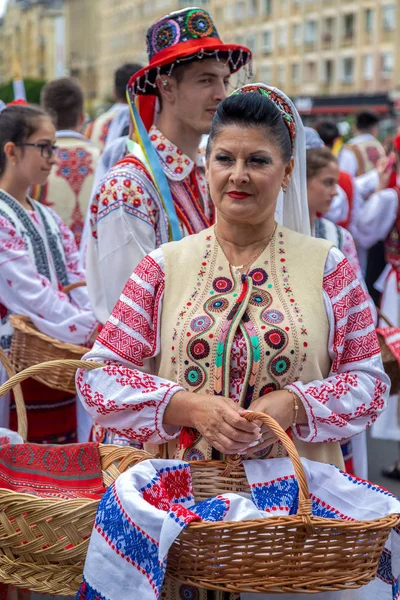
x,y
328,132
366,121
63,99
122,76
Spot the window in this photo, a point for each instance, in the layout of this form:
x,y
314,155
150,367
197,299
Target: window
x,y
295,73
281,76
368,67
253,5
229,16
327,72
310,32
387,64
347,69
267,7
297,34
267,42
348,26
251,42
265,74
310,72
388,17
240,10
369,19
328,26
282,36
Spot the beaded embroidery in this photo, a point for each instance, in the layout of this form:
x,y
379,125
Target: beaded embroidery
x,y
279,101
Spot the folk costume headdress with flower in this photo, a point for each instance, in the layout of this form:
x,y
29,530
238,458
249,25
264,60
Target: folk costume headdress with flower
x,y
174,40
292,206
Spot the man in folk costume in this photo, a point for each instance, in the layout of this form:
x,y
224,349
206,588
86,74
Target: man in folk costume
x,y
70,183
158,193
363,151
113,122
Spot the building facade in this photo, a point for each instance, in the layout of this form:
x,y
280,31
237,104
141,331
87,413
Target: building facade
x,y
32,36
83,45
318,48
315,50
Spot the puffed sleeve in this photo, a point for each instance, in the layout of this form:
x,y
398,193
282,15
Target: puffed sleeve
x,y
24,291
356,391
124,396
127,223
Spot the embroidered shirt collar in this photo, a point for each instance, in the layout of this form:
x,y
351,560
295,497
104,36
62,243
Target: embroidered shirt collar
x,y
69,133
176,165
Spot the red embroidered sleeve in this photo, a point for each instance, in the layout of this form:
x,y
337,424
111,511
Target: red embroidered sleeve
x,y
131,331
351,398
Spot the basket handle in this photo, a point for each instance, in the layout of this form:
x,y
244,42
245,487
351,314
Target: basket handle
x,y
22,419
72,286
382,316
15,380
305,506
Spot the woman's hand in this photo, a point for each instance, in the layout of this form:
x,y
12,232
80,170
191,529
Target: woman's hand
x,y
280,406
218,419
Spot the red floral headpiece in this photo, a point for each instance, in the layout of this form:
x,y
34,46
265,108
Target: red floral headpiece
x,y
280,102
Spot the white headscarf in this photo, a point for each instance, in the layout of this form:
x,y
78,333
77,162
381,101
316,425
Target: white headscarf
x,y
292,206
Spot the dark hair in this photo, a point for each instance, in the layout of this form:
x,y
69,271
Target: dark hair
x,y
252,110
317,159
328,131
122,76
63,100
17,124
366,120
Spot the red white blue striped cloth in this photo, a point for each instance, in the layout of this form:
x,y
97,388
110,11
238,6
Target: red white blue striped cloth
x,y
144,511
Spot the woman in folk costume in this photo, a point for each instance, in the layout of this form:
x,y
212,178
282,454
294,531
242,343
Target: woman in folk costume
x,y
38,257
248,314
322,179
379,220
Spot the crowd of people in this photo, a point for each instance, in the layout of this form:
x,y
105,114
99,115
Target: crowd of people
x,y
234,260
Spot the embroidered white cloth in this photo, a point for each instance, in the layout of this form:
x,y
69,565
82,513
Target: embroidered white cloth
x,y
144,511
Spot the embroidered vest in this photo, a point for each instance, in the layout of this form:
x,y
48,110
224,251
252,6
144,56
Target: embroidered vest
x,y
367,154
277,307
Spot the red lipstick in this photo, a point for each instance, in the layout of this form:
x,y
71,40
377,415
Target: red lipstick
x,y
238,195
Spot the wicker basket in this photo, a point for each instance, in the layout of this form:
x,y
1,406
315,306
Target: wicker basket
x,y
43,542
30,347
296,554
390,362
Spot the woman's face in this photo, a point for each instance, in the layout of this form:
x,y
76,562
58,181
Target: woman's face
x,y
322,188
245,172
33,168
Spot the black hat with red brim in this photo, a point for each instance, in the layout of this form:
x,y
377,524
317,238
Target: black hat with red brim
x,y
179,38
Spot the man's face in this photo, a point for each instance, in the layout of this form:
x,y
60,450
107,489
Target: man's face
x,y
202,85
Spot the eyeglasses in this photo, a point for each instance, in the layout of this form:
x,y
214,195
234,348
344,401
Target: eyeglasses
x,y
46,150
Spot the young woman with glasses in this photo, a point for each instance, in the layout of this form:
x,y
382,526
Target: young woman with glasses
x,y
38,258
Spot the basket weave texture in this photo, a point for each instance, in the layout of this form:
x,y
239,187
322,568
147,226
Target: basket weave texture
x,y
43,542
31,347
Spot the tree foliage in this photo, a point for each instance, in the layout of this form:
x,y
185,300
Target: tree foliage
x,y
32,89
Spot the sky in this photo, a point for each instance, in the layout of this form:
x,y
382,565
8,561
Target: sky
x,y
2,6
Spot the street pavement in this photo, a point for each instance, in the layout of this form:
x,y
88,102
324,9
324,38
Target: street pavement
x,y
382,453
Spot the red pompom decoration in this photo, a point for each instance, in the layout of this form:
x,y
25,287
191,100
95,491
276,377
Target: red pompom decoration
x,y
19,102
396,143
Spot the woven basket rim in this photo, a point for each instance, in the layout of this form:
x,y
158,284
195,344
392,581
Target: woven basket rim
x,y
25,325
